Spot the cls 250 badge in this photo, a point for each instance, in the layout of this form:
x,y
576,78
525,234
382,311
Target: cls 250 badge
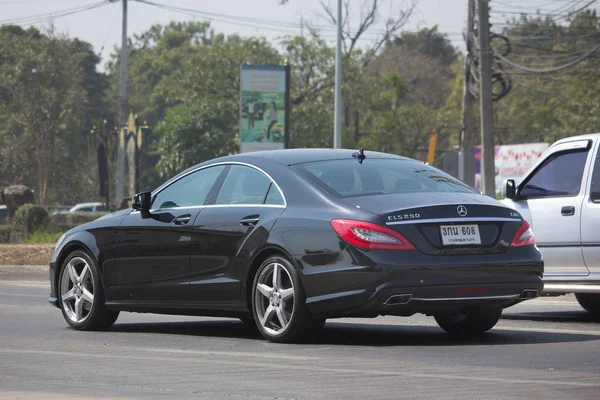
x,y
403,217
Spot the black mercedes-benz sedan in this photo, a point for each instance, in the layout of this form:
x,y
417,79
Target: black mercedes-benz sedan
x,y
286,239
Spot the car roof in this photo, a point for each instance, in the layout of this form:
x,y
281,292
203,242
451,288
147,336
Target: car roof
x,y
283,157
301,156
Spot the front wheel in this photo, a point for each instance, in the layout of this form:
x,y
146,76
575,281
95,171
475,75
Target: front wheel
x,y
81,295
590,302
469,323
279,303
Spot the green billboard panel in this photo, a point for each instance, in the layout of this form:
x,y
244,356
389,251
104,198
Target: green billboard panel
x,y
263,108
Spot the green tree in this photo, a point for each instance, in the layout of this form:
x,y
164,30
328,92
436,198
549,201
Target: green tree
x,y
545,107
205,93
42,82
191,133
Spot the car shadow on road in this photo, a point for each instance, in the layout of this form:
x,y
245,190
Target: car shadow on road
x,y
356,334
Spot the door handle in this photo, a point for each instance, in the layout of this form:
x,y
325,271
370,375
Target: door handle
x,y
567,211
184,219
250,220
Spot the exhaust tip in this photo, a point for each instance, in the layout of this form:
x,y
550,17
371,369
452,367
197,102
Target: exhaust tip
x,y
398,299
529,294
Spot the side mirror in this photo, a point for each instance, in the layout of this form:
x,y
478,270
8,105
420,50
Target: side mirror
x,y
509,189
142,201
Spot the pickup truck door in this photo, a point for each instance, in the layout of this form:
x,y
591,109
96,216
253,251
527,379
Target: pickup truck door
x,y
590,219
551,198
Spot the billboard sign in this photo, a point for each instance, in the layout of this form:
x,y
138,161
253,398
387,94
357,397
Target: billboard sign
x,y
264,107
511,161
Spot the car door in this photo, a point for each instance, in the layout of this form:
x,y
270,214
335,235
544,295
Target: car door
x,y
153,261
226,232
551,199
590,219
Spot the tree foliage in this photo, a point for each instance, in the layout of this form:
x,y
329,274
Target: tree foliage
x,y
48,82
546,107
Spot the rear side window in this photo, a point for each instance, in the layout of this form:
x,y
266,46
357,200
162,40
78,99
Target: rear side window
x,y
349,178
274,196
244,185
560,175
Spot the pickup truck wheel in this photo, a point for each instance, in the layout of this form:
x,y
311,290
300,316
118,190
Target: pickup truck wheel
x,y
590,302
468,323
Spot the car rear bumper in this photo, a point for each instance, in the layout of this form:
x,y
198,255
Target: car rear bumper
x,y
395,299
386,284
563,287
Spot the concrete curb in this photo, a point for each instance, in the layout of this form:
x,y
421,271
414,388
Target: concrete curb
x,y
24,273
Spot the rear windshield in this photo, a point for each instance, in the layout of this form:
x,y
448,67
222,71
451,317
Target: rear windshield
x,y
349,178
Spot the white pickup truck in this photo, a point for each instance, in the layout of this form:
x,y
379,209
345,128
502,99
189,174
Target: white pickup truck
x,y
560,197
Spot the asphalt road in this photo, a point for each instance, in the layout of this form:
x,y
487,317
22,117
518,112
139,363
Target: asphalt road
x,y
543,349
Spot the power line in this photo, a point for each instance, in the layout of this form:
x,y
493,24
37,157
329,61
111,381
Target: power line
x,y
285,27
34,19
548,70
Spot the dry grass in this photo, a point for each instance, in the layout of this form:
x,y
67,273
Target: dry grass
x,y
25,254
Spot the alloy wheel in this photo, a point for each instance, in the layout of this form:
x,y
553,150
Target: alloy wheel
x,y
77,290
274,299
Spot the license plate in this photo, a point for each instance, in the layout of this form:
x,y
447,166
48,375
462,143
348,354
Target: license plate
x,y
460,235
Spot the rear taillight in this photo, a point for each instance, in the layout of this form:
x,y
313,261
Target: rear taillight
x,y
370,236
524,236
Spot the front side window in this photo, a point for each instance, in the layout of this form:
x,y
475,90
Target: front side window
x,y
191,190
349,178
560,175
244,185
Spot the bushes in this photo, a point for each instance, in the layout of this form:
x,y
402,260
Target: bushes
x,y
74,219
5,233
28,219
78,218
33,225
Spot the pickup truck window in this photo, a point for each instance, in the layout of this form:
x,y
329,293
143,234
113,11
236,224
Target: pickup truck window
x,y
560,175
595,190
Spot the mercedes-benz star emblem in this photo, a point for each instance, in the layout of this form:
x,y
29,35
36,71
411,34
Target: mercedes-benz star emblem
x,y
462,211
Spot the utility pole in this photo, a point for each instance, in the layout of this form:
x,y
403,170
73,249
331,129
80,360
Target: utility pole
x,y
465,159
122,109
337,122
486,101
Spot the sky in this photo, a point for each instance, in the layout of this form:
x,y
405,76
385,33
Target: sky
x,y
102,26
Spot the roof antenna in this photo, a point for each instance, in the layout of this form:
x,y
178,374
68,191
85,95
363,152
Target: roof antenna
x,y
360,155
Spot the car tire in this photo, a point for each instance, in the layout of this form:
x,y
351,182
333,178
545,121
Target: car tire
x,y
81,296
469,323
590,302
279,303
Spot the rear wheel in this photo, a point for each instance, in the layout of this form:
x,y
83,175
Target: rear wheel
x,y
81,295
279,303
590,302
468,323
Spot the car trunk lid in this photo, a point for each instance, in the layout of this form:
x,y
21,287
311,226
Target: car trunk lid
x,y
448,223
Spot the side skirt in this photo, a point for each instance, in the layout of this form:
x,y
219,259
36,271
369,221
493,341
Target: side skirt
x,y
222,309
